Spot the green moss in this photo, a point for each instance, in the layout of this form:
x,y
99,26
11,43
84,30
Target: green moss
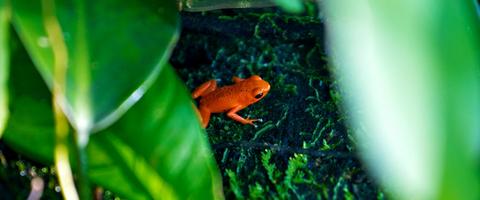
x,y
256,191
234,184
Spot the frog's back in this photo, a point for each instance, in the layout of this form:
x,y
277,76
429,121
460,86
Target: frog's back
x,y
223,99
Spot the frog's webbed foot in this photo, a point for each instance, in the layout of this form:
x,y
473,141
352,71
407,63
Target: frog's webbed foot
x,y
254,120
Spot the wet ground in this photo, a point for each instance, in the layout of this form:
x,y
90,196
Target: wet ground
x,y
303,149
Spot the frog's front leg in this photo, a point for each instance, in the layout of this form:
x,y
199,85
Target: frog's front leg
x,y
233,114
204,89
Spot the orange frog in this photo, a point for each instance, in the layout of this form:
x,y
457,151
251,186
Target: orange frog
x,y
231,98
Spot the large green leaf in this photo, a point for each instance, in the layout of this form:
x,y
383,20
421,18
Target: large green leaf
x,y
4,61
115,51
295,6
412,70
156,148
203,5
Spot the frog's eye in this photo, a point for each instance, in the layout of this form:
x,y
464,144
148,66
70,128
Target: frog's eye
x,y
259,95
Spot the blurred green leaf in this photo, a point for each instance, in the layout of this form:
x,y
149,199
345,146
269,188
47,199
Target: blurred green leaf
x,y
157,147
294,6
412,70
204,5
4,61
164,130
115,51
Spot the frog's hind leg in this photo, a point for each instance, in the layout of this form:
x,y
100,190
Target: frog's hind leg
x,y
204,89
205,114
236,79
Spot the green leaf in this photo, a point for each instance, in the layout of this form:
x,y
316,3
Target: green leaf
x,y
4,61
157,148
204,5
293,6
115,51
412,71
164,130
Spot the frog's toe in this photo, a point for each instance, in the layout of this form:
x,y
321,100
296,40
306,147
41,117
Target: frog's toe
x,y
250,121
255,120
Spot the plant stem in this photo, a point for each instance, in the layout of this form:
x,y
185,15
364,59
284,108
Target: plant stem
x,y
85,191
62,162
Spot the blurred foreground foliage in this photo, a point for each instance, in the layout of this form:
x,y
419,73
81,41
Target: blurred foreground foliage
x,y
410,70
132,129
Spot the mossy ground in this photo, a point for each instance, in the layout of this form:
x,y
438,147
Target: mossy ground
x,y
303,149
